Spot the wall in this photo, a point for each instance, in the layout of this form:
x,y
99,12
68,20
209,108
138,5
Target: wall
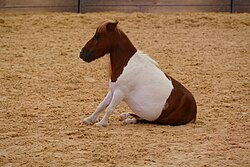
x,y
125,5
38,5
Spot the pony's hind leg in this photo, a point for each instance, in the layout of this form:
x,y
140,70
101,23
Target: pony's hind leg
x,y
130,118
124,116
130,121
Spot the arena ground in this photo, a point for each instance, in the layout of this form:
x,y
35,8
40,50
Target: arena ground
x,y
46,90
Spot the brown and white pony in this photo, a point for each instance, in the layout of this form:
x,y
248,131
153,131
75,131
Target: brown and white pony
x,y
135,78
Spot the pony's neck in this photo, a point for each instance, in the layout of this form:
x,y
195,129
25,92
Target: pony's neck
x,y
120,55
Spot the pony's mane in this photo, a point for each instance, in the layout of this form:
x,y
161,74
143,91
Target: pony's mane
x,y
102,28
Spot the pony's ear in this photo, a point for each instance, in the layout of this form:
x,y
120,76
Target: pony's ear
x,y
111,26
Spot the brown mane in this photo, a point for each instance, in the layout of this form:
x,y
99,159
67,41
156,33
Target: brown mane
x,y
102,28
119,57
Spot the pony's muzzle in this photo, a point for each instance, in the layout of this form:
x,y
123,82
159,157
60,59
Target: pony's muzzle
x,y
85,56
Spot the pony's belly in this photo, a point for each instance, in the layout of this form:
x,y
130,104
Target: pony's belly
x,y
147,104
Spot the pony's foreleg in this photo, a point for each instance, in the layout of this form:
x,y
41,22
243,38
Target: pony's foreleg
x,y
92,118
116,99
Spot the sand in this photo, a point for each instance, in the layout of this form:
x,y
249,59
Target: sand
x,y
46,90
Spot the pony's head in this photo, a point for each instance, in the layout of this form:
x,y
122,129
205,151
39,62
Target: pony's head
x,y
101,43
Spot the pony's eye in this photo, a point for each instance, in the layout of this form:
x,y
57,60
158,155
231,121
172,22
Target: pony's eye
x,y
97,36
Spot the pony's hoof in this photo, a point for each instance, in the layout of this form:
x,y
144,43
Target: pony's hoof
x,y
130,121
124,116
100,124
87,121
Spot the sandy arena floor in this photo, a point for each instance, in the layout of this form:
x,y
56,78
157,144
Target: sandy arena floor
x,y
46,90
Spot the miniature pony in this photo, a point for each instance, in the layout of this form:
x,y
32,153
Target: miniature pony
x,y
152,95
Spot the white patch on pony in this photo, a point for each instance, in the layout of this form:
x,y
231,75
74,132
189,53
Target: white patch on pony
x,y
144,86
